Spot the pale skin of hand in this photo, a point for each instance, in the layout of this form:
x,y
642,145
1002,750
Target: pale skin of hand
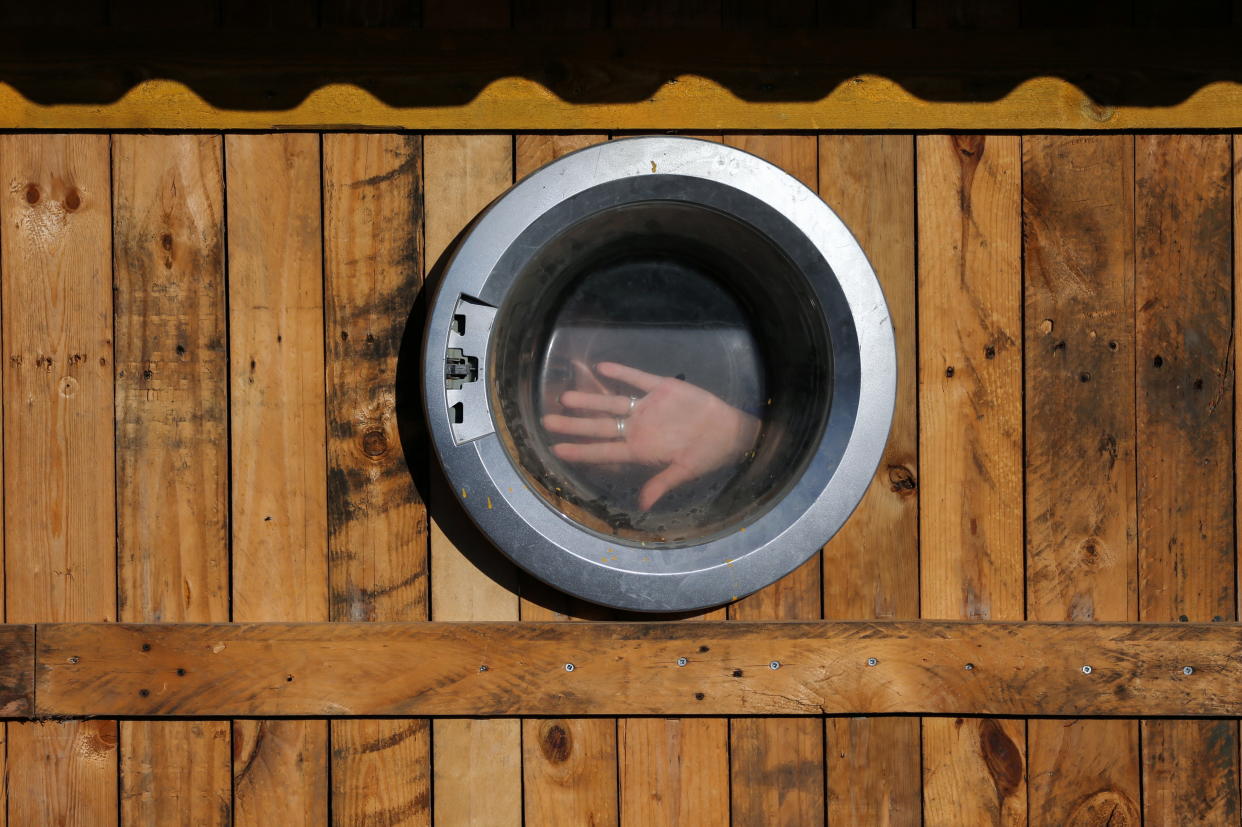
x,y
678,427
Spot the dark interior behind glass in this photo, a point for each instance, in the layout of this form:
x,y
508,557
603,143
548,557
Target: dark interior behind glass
x,y
680,291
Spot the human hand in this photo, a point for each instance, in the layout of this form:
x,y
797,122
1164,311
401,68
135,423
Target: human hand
x,y
682,428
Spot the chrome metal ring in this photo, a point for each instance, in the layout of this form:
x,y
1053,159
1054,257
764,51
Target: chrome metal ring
x,y
621,427
633,405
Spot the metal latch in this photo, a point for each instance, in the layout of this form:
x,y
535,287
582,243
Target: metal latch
x,y
466,402
459,368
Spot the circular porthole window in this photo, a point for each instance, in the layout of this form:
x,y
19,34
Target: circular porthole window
x,y
659,372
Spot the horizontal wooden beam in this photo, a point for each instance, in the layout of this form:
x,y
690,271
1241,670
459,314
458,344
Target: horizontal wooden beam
x,y
574,669
615,81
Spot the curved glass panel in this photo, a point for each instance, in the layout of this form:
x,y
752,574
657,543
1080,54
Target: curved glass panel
x,y
659,374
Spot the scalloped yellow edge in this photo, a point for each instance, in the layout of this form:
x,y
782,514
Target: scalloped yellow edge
x,y
691,102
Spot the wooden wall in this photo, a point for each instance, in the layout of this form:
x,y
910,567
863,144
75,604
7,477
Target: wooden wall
x,y
206,355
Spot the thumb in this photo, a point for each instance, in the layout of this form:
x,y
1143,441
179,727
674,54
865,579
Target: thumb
x,y
661,484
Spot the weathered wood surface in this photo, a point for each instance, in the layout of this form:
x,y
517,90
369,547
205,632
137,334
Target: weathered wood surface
x,y
569,765
777,764
970,439
469,581
172,446
60,476
377,521
278,431
874,764
1184,289
17,670
1078,202
921,667
744,78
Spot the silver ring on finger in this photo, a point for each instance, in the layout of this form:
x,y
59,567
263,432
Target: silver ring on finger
x,y
633,405
621,427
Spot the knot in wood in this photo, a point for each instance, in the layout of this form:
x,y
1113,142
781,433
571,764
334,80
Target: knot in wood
x,y
374,443
556,743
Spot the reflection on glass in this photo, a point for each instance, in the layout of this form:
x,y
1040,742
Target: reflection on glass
x,y
647,382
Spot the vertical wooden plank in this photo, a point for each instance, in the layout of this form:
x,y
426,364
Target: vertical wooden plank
x,y
1184,332
463,173
777,764
874,764
657,787
276,362
569,765
1078,214
59,480
970,446
675,770
172,446
377,523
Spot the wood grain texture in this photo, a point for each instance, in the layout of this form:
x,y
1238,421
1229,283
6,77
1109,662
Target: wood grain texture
x,y
377,523
655,786
673,771
463,174
1184,331
16,671
276,357
172,446
569,765
870,567
347,669
777,765
59,480
970,443
1078,214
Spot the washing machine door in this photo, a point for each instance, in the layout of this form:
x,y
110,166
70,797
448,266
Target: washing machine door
x,y
659,373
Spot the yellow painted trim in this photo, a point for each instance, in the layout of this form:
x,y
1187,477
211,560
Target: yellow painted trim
x,y
691,102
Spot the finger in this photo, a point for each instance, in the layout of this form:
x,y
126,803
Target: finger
x,y
593,452
585,378
631,376
600,427
606,402
661,484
